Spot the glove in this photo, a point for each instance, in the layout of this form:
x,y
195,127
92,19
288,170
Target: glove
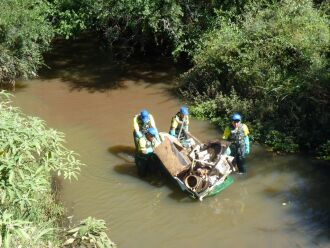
x,y
157,135
247,145
172,132
149,150
138,134
228,151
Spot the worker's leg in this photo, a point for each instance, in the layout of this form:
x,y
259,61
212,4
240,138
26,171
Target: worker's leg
x,y
153,165
141,164
240,161
136,140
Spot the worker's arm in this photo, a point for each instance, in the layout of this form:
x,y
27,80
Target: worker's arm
x,y
187,120
158,141
226,133
246,139
136,127
142,147
152,121
186,124
153,124
174,125
246,130
247,145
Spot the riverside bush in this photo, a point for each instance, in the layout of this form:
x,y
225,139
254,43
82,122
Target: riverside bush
x,y
128,26
275,55
324,151
29,153
280,142
219,109
89,233
25,33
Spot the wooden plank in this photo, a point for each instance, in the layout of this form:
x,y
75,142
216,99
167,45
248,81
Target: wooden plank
x,y
174,161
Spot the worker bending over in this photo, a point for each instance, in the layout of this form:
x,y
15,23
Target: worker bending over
x,y
145,159
141,123
148,142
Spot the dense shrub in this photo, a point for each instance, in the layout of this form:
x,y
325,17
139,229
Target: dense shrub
x,y
219,109
25,33
141,26
277,56
27,27
324,151
281,142
89,233
29,152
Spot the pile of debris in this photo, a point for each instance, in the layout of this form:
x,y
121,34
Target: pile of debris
x,y
199,168
208,166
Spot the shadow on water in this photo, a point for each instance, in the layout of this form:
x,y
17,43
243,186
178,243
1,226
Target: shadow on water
x,y
126,153
131,170
307,197
84,65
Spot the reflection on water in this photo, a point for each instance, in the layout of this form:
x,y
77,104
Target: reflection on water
x,y
282,202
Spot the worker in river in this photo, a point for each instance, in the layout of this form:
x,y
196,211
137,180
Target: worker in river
x,y
145,159
141,123
238,134
180,124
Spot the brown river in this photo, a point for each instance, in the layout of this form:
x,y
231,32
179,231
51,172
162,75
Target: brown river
x,y
283,201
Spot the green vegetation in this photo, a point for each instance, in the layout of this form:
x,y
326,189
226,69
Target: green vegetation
x,y
29,152
272,65
24,34
89,233
266,59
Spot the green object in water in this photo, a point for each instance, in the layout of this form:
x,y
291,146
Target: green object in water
x,y
229,180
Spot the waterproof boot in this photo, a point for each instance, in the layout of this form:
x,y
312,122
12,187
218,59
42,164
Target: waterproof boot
x,y
141,164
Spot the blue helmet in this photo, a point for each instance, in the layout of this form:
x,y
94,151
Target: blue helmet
x,y
236,117
184,110
152,131
144,115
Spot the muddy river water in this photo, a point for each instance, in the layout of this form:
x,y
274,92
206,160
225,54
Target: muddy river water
x,y
282,202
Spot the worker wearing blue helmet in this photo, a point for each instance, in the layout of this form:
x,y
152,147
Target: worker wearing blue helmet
x,y
238,134
180,123
148,142
145,159
141,123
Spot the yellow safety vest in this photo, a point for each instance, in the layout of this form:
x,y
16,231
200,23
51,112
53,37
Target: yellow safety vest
x,y
139,126
177,122
146,146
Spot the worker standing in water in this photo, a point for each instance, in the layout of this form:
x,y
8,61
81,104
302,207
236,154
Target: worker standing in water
x,y
180,124
237,133
145,159
141,123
